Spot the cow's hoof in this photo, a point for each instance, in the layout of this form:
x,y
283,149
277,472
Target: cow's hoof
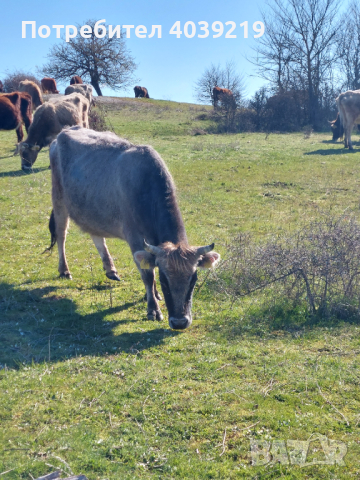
x,y
151,315
159,316
155,315
66,275
113,276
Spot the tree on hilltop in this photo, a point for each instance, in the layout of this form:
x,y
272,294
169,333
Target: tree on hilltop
x,y
99,61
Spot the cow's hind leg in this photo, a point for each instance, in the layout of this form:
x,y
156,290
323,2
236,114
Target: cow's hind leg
x,y
348,142
58,225
19,133
108,263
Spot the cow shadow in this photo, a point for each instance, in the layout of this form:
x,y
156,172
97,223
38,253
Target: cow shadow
x,y
44,325
22,173
333,151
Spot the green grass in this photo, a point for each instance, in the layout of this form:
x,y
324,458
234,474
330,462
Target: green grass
x,y
88,384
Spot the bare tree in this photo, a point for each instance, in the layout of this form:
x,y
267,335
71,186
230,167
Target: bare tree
x,y
298,50
217,76
99,61
349,47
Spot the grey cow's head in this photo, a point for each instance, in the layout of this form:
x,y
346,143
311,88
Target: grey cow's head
x,y
28,154
177,266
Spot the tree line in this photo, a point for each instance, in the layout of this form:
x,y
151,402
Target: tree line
x,y
308,55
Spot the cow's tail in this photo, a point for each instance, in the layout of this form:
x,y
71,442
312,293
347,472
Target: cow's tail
x,y
52,228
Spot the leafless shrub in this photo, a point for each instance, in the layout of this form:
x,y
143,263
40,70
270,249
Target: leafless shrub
x,y
97,120
307,131
319,264
198,131
203,116
12,80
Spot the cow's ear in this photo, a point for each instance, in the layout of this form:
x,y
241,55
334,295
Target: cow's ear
x,y
145,259
209,260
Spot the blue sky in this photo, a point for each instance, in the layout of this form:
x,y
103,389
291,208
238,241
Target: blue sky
x,y
168,67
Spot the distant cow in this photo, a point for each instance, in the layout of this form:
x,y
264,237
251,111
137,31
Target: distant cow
x,y
141,92
23,100
33,90
84,89
219,94
75,80
10,115
112,188
49,119
348,104
1,87
48,85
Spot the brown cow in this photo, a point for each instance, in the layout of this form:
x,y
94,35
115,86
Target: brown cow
x,y
33,90
141,92
25,103
48,85
10,114
1,87
220,94
75,79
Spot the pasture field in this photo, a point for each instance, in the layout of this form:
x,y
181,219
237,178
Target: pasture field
x,y
88,385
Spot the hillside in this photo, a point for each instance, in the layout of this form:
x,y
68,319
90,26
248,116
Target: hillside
x,y
89,385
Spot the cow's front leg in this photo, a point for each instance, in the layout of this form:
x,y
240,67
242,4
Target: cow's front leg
x,y
108,263
153,309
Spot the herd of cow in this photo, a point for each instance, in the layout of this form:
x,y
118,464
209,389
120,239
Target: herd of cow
x,y
110,188
49,117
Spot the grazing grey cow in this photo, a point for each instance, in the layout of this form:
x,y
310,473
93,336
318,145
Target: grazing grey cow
x,y
112,188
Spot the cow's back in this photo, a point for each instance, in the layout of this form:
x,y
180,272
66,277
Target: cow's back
x,y
348,104
111,187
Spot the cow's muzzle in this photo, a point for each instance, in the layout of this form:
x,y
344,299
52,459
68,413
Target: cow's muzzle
x,y
180,323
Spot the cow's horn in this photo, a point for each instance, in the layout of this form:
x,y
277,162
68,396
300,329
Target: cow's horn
x,y
151,249
207,249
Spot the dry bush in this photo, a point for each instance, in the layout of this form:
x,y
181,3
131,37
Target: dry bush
x,y
97,120
203,116
319,264
198,131
12,80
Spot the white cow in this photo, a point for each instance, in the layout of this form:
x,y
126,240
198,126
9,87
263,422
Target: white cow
x,y
348,104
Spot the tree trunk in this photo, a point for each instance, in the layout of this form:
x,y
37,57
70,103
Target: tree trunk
x,y
96,85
